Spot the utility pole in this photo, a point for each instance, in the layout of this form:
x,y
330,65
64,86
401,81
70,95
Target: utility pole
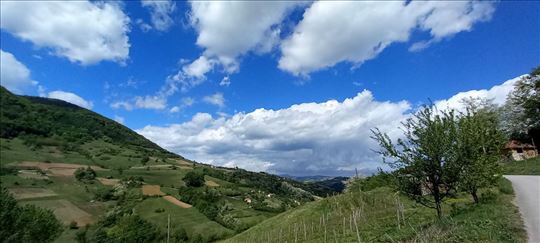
x,y
168,227
356,170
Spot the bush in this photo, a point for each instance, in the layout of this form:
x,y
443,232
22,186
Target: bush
x,y
26,224
133,229
73,225
194,179
85,174
159,210
180,235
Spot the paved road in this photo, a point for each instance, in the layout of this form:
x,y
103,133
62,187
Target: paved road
x,y
527,190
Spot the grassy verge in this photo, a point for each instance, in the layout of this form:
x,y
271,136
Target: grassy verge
x,y
524,167
373,217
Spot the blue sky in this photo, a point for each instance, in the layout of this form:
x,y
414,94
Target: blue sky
x,y
274,56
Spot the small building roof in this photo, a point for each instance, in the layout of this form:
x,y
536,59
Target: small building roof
x,y
514,144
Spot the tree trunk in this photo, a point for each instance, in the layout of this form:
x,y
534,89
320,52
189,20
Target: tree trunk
x,y
439,209
474,196
437,199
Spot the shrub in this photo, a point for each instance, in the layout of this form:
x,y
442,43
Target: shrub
x,y
159,210
194,179
85,174
73,225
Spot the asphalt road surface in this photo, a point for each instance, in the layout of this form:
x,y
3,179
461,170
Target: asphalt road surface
x,y
527,190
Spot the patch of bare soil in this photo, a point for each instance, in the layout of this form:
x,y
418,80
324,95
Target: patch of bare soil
x,y
183,162
56,169
211,183
108,182
30,192
152,190
31,174
177,202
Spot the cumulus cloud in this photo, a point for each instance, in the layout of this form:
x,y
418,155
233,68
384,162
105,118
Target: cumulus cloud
x,y
160,13
71,98
14,75
330,137
497,94
229,29
216,99
356,31
82,31
199,67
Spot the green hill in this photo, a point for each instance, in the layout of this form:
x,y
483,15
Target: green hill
x,y
382,215
46,144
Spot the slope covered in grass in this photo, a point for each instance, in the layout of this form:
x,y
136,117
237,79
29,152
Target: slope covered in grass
x,y
382,215
524,167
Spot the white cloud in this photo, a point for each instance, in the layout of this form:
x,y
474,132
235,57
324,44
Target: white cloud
x,y
160,12
14,75
226,81
497,94
199,67
229,29
185,102
122,104
119,119
82,31
215,99
355,31
71,98
141,102
330,137
150,102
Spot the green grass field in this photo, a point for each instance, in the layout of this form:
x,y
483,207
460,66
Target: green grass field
x,y
524,167
194,222
373,217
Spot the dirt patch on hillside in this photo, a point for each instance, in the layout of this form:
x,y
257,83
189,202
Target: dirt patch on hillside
x,y
211,183
66,211
183,162
108,182
152,190
177,202
26,193
31,174
167,166
56,169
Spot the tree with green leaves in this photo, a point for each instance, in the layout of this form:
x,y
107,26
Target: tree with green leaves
x,y
133,229
480,145
145,160
426,159
194,179
85,174
27,223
